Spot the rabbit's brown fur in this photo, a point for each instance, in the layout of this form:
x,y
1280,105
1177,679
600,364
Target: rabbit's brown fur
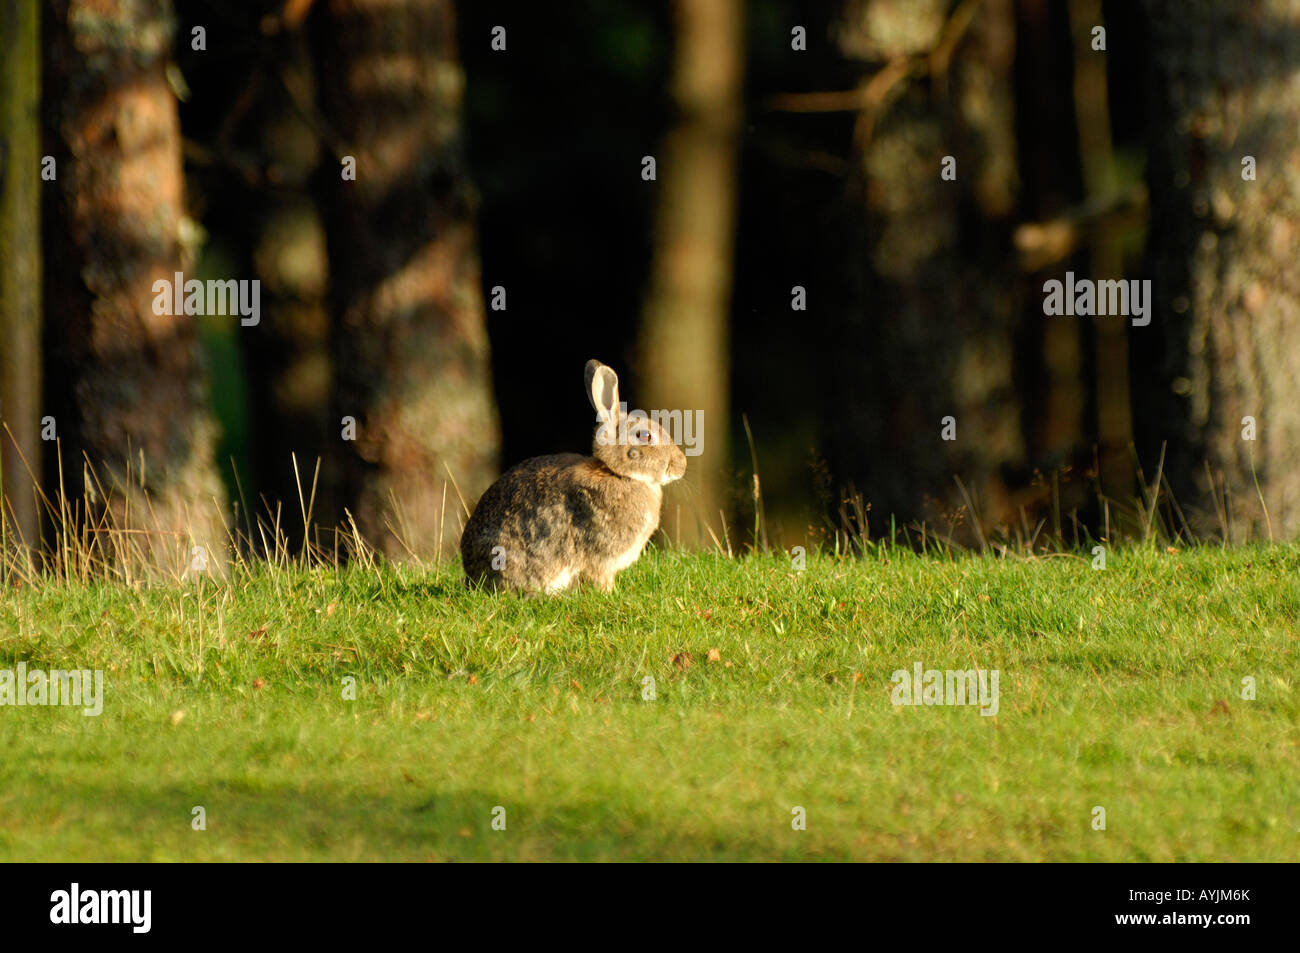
x,y
554,521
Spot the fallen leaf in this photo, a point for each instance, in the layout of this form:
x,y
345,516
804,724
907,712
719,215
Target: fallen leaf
x,y
177,717
682,660
714,655
259,683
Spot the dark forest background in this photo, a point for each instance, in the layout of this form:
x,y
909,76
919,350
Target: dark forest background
x,y
521,169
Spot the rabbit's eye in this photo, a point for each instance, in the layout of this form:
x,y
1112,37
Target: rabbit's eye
x,y
642,436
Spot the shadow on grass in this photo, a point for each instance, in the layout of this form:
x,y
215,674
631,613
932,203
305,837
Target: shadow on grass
x,y
124,820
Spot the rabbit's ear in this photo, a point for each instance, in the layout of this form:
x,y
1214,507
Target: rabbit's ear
x,y
602,389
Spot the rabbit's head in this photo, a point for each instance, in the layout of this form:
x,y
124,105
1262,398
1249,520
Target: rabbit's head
x,y
634,447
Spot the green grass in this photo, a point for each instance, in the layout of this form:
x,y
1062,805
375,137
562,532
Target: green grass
x,y
1119,688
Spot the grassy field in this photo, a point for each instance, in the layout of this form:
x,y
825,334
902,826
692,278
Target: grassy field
x,y
1119,688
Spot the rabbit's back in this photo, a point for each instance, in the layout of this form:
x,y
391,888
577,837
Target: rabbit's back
x,y
552,520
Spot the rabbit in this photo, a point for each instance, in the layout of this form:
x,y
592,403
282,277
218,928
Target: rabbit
x,y
552,522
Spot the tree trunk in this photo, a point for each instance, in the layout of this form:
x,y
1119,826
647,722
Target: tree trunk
x,y
127,382
289,353
1224,340
940,294
411,345
1114,427
683,353
20,267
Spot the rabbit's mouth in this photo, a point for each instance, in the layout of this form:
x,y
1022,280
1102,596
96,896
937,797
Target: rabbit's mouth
x,y
656,480
675,470
651,479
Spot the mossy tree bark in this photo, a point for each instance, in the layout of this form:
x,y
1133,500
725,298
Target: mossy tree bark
x,y
125,385
1224,342
411,350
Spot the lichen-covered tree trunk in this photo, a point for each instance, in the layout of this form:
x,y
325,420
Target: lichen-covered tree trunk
x,y
411,351
20,266
934,324
683,351
1224,341
125,384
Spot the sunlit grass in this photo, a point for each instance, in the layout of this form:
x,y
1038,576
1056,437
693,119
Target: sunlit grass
x,y
1118,689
